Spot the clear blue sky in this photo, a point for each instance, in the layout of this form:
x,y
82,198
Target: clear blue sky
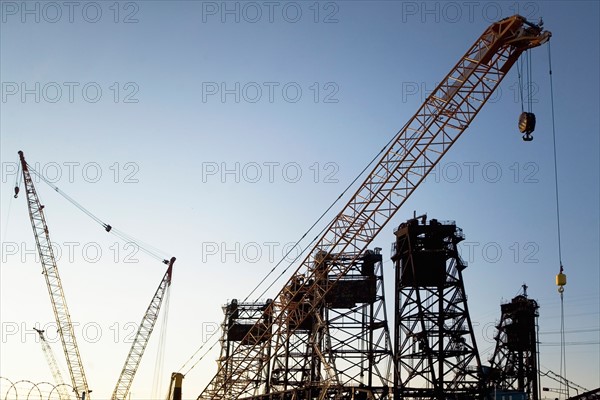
x,y
219,131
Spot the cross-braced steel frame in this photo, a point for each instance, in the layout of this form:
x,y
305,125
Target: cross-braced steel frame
x,y
343,349
514,363
240,318
54,284
436,354
411,155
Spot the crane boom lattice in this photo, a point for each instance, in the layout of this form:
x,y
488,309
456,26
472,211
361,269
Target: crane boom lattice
x,y
411,155
142,337
54,284
54,369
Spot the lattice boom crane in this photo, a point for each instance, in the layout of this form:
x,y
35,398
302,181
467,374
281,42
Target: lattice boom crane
x,y
54,285
58,379
142,337
415,150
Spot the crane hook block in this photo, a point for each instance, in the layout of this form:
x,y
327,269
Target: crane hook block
x,y
16,192
108,228
527,125
561,279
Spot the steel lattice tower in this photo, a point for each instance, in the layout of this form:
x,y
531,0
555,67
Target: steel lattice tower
x,y
241,318
435,351
359,340
514,363
340,349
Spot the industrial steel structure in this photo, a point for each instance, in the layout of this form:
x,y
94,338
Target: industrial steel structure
x,y
54,368
61,312
515,360
288,354
351,345
142,337
436,354
326,333
54,285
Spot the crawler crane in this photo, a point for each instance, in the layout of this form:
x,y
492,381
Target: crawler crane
x,y
54,285
286,354
61,312
142,337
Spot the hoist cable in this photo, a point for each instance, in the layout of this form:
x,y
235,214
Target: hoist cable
x,y
293,261
520,82
563,355
383,149
144,247
529,82
555,157
317,221
160,354
203,355
150,250
69,198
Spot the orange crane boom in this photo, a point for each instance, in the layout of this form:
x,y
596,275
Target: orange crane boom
x,y
54,285
142,337
411,155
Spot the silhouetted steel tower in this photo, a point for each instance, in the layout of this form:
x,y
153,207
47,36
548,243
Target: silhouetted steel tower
x,y
435,351
240,319
340,349
515,363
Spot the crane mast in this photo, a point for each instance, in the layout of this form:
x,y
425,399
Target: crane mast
x,y
411,155
54,285
58,379
142,337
